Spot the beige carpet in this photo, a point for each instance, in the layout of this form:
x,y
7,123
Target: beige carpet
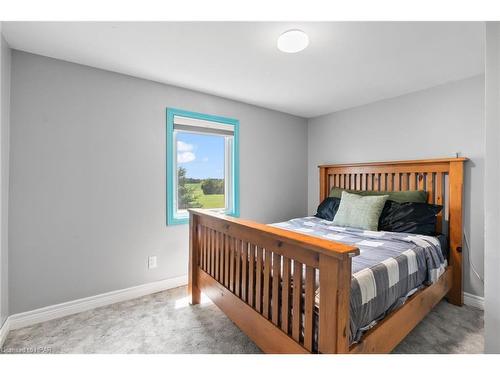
x,y
165,323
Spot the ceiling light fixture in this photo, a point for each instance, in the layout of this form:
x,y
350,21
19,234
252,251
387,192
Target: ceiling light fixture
x,y
293,41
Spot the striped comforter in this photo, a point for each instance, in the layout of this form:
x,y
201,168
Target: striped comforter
x,y
391,266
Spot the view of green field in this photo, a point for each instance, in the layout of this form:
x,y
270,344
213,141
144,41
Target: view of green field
x,y
208,201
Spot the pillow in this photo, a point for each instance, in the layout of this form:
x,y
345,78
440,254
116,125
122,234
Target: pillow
x,y
409,217
360,212
328,208
397,196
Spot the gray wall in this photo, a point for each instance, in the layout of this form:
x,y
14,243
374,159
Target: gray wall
x,y
492,182
87,202
430,123
5,62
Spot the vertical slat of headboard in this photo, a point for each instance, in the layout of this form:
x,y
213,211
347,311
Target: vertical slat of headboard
x,y
324,183
421,181
390,182
404,181
439,199
429,180
397,181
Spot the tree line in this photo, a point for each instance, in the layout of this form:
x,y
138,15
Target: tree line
x,y
187,197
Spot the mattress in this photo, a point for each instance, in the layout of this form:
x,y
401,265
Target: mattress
x,y
390,267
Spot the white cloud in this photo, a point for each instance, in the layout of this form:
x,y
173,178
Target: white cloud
x,y
185,157
183,146
184,152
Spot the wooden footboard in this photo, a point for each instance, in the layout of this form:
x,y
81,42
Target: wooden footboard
x,y
265,280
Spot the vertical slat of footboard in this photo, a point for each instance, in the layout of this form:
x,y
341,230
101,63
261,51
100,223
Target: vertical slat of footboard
x,y
285,295
212,252
297,294
258,280
216,258
276,288
231,263
202,247
220,257
309,308
206,248
238,259
199,238
211,235
244,266
215,250
226,261
267,284
217,255
204,231
251,276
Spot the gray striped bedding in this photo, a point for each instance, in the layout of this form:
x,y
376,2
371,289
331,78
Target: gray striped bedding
x,y
391,266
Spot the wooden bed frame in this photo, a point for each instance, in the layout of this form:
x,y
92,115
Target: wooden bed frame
x,y
235,263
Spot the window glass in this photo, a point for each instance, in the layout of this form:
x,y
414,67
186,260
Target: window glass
x,y
200,170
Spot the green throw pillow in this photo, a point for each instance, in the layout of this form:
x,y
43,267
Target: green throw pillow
x,y
418,196
357,211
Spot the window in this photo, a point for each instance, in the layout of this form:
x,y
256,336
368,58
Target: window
x,y
202,164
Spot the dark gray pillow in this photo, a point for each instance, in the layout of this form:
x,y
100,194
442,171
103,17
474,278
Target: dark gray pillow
x,y
328,208
409,217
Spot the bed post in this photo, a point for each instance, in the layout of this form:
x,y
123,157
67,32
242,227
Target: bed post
x,y
193,289
455,296
335,287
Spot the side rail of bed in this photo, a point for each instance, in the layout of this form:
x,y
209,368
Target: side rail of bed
x,y
264,279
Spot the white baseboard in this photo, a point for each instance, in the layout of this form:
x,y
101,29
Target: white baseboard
x,y
4,331
83,304
473,300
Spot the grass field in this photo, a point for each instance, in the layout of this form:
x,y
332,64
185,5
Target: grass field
x,y
208,201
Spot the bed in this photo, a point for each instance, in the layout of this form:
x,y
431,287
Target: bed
x,y
293,287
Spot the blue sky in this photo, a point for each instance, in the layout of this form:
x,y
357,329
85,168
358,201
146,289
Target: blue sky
x,y
201,154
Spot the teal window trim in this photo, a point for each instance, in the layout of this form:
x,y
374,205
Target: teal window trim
x,y
170,159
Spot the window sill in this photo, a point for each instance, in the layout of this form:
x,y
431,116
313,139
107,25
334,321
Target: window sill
x,y
185,220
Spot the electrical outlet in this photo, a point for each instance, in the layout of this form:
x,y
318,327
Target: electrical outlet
x,y
152,262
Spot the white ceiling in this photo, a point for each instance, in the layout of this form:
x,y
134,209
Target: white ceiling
x,y
346,64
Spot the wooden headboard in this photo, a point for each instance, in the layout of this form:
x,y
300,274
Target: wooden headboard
x,y
441,178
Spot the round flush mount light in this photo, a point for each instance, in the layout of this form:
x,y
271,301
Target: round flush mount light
x,y
293,41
